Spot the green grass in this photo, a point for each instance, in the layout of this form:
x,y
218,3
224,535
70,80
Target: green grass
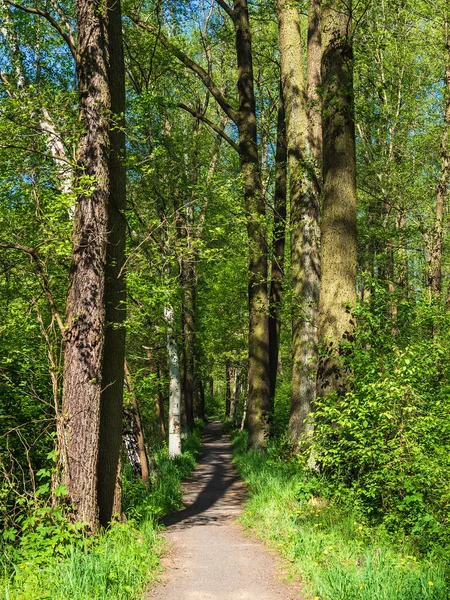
x,y
118,564
335,554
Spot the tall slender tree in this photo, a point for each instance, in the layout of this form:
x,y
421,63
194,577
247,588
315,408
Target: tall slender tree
x,y
278,248
245,119
435,240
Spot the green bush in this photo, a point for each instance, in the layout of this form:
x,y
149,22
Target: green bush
x,y
337,554
46,556
386,442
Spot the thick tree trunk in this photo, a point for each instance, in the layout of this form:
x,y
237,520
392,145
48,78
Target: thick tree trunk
x,y
435,247
278,245
338,295
258,363
85,338
115,291
305,234
174,386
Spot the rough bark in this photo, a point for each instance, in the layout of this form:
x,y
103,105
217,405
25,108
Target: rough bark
x,y
278,246
258,363
94,345
338,258
174,386
85,315
314,81
305,234
115,291
435,247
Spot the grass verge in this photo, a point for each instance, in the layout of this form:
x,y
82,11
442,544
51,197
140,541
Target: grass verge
x,y
337,555
118,564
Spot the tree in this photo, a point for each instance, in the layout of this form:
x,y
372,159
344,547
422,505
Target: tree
x,y
95,341
338,231
246,122
304,223
434,245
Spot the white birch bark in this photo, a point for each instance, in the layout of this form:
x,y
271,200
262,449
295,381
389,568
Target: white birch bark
x,y
174,386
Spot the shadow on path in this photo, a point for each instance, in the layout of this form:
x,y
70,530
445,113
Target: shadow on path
x,y
214,492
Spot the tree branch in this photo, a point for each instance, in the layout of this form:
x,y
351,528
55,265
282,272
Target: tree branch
x,y
45,282
213,126
48,17
207,80
226,8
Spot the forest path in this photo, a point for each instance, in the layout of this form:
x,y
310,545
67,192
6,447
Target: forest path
x,y
209,557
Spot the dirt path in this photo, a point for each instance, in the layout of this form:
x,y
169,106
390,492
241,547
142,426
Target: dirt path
x,y
209,558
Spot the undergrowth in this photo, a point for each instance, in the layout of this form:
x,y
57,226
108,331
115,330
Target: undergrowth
x,y
45,557
331,547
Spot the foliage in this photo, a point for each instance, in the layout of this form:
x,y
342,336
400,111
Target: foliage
x,y
49,557
330,546
165,494
386,441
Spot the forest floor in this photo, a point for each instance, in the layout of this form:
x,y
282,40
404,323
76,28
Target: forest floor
x,y
209,556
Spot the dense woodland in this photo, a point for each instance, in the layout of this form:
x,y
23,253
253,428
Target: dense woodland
x,y
229,209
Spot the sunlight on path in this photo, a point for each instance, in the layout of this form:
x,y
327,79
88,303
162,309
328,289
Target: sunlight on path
x,y
209,557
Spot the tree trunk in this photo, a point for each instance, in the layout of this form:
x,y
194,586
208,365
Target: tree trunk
x,y
314,81
227,389
258,364
305,260
188,292
157,370
338,295
115,291
233,376
435,248
142,451
278,244
174,386
86,321
200,400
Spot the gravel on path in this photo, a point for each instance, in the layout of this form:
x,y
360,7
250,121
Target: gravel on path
x,y
209,557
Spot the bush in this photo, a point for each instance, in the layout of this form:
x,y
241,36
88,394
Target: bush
x,y
386,442
46,556
337,554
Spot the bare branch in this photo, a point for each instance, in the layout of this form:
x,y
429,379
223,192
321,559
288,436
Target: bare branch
x,y
66,23
44,279
213,126
67,37
207,80
226,8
